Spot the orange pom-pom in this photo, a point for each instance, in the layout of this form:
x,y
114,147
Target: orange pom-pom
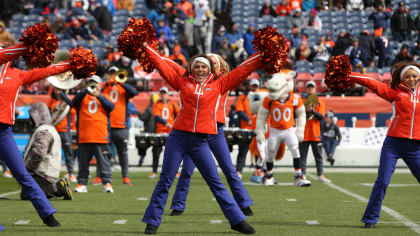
x,y
41,44
273,49
83,62
337,73
132,39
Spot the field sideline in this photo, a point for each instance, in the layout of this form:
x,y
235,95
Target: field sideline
x,y
321,209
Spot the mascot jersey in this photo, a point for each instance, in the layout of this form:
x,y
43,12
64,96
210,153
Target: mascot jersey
x,y
282,113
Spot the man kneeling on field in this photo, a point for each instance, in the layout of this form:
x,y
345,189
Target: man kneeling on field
x,y
42,155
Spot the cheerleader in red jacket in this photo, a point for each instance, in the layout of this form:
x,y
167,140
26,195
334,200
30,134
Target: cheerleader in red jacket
x,y
403,138
200,91
11,80
220,150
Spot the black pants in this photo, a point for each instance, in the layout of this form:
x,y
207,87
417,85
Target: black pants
x,y
241,158
68,151
48,187
120,139
157,150
316,150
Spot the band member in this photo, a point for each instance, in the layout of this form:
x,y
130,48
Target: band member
x,y
93,125
11,79
42,155
164,111
58,96
119,92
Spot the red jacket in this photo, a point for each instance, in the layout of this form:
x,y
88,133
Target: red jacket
x,y
200,100
406,111
12,79
221,111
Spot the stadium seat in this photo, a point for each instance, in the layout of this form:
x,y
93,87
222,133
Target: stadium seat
x,y
301,80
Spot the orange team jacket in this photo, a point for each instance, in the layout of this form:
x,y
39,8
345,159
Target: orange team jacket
x,y
64,125
200,100
283,114
167,112
404,101
313,126
12,79
119,94
93,123
242,104
221,111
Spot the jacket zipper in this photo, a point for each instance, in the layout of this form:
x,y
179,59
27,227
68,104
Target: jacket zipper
x,y
414,111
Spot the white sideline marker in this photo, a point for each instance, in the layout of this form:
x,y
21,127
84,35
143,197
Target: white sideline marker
x,y
22,222
391,185
120,222
216,221
278,184
142,198
312,222
8,193
291,200
404,220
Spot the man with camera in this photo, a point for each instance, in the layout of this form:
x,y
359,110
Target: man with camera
x,y
93,112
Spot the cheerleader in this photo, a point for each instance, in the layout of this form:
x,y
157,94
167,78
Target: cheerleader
x,y
200,91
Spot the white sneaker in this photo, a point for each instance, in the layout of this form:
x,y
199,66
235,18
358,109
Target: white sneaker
x,y
323,179
300,181
269,181
72,178
7,174
81,189
108,188
239,174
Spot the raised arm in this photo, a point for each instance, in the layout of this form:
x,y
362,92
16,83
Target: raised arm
x,y
166,71
32,76
108,105
381,89
240,73
177,68
131,92
12,52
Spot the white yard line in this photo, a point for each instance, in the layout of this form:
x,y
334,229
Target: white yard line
x,y
8,193
312,222
22,222
400,218
120,222
391,185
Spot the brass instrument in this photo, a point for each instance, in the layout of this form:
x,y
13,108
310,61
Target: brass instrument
x,y
121,76
91,87
311,100
62,81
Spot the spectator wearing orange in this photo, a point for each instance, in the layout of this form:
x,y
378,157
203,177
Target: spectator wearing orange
x,y
164,111
63,128
312,136
295,5
125,5
283,8
93,124
177,56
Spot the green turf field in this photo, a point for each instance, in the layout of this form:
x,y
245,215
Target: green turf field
x,y
279,210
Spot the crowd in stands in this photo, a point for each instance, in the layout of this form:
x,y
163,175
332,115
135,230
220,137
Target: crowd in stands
x,y
373,33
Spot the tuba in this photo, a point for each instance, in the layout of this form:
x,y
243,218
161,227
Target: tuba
x,y
121,76
62,81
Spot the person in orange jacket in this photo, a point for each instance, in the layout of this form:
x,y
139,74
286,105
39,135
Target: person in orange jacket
x,y
11,80
312,136
165,112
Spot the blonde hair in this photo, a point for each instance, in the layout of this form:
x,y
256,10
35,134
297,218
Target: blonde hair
x,y
224,66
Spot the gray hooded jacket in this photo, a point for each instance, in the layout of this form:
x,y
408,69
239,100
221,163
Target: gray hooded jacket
x,y
43,153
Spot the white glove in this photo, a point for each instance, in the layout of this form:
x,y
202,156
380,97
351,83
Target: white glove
x,y
260,137
300,135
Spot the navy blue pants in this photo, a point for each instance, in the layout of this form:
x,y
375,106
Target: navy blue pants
x,y
329,144
178,145
10,154
220,150
392,149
